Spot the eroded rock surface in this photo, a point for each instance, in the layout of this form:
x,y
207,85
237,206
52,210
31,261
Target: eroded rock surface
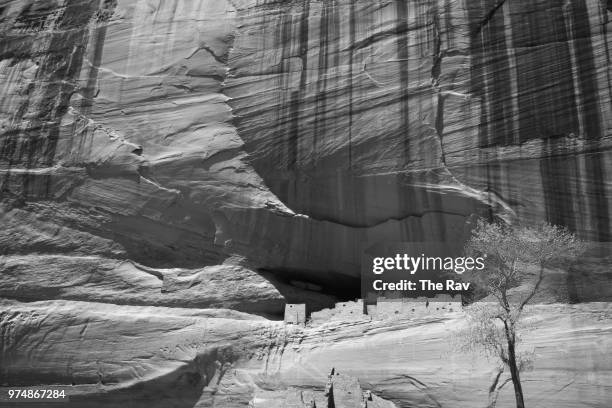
x,y
180,133
167,166
177,357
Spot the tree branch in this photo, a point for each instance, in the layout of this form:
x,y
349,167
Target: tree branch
x,y
505,303
493,401
496,381
535,288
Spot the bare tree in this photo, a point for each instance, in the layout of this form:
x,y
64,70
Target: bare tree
x,y
512,253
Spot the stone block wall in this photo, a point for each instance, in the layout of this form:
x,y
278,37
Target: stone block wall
x,y
352,310
396,308
444,303
386,309
295,313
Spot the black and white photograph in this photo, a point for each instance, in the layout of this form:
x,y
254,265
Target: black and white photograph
x,y
305,203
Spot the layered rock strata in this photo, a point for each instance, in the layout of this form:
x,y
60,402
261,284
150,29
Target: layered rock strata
x,y
167,166
110,355
178,134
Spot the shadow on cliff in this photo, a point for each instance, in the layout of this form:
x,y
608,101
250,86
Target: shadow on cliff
x,y
295,288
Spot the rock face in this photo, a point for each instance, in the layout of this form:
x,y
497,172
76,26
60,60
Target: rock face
x,y
110,355
341,391
171,171
415,362
372,110
95,279
178,134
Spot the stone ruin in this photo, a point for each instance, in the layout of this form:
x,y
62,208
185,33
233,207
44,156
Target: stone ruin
x,y
341,311
386,309
344,391
295,313
422,306
341,391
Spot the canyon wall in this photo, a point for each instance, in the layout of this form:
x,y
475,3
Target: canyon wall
x,y
181,133
179,357
170,170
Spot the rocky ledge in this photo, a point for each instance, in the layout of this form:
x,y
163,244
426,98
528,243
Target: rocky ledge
x,y
108,355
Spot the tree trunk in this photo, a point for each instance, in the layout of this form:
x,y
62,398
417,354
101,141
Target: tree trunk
x,y
514,372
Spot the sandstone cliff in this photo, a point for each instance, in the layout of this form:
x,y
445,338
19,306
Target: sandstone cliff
x,y
109,355
188,161
178,133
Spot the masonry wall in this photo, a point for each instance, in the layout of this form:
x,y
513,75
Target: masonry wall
x,y
342,311
445,303
295,313
388,309
400,308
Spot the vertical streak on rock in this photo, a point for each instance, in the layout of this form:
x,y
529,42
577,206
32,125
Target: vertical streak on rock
x,y
556,172
297,95
287,108
350,90
490,82
290,110
63,69
581,36
587,98
500,94
604,226
545,80
303,52
484,28
512,130
588,101
276,43
604,32
304,42
477,68
402,56
598,200
436,47
569,23
546,90
337,69
32,142
436,68
98,35
439,125
320,97
448,25
401,35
